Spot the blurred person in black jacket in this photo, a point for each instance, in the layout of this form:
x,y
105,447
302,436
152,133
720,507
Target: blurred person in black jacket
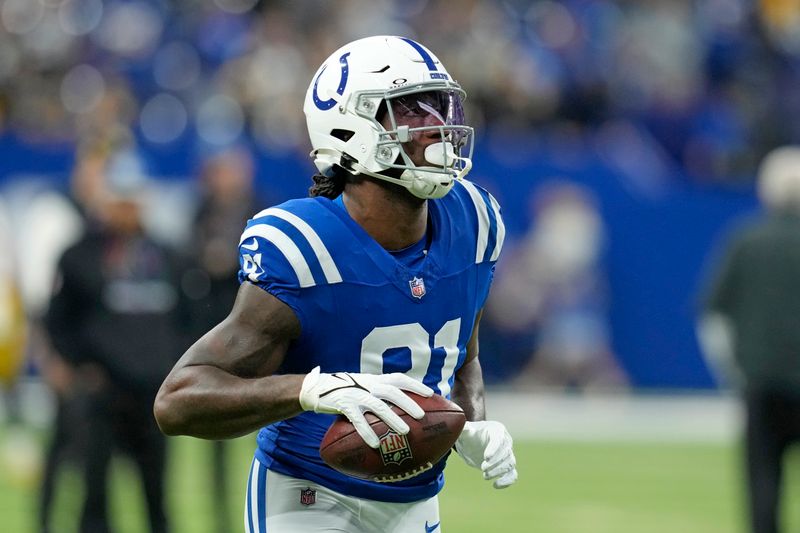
x,y
61,221
116,318
751,330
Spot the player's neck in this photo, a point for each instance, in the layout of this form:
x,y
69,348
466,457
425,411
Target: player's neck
x,y
390,215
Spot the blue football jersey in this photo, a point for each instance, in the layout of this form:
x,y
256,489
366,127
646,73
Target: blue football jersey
x,y
362,310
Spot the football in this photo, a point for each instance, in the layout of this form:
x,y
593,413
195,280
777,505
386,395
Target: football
x,y
398,457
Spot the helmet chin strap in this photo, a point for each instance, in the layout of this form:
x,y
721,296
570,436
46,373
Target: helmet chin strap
x,y
419,182
420,186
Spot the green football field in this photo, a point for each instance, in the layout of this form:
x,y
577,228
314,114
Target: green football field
x,y
564,487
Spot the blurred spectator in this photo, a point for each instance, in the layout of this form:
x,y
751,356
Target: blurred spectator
x,y
228,201
37,214
711,82
60,221
17,461
115,317
12,318
553,283
754,305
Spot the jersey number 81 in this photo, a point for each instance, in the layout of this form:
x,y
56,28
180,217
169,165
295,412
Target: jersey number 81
x,y
418,341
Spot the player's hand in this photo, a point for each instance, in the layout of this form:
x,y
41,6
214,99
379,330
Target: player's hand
x,y
354,394
488,446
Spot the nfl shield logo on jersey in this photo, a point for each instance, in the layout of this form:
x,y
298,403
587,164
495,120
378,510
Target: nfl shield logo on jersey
x,y
417,287
308,496
394,448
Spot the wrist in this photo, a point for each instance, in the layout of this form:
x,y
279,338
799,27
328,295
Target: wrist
x,y
309,395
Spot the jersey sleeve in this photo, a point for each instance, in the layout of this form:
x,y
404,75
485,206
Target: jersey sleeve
x,y
486,235
491,230
270,259
281,251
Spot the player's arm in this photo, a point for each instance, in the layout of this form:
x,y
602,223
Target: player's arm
x,y
482,444
223,385
468,386
716,330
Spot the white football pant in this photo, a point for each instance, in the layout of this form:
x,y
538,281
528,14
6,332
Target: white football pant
x,y
277,503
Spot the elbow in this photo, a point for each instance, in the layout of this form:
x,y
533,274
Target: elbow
x,y
167,414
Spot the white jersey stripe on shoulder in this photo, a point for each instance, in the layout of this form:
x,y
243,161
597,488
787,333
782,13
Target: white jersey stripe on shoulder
x,y
288,248
332,274
501,229
483,220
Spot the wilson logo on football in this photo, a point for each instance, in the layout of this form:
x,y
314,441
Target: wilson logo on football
x,y
394,448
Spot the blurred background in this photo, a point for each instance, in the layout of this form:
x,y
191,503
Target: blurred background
x,y
622,139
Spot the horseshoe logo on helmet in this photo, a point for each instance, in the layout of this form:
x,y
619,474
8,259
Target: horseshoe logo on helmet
x,y
324,105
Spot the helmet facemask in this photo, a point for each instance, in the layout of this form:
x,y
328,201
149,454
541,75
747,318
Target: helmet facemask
x,y
407,114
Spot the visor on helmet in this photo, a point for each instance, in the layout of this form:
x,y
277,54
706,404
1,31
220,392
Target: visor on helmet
x,y
446,106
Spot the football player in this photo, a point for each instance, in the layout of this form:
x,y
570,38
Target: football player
x,y
371,287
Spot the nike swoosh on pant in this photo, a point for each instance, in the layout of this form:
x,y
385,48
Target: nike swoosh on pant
x,y
431,529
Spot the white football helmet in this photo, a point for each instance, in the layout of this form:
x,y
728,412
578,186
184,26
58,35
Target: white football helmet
x,y
364,79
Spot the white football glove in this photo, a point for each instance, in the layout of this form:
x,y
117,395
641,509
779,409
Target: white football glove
x,y
354,394
487,445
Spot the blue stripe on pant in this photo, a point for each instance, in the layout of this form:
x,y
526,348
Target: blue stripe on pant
x,y
255,507
262,498
248,518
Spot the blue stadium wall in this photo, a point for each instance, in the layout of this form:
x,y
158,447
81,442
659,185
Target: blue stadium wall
x,y
661,232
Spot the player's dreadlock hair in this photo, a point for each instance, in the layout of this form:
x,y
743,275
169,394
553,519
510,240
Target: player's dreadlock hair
x,y
328,185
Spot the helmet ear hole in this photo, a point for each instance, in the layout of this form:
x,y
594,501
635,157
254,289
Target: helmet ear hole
x,y
342,135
